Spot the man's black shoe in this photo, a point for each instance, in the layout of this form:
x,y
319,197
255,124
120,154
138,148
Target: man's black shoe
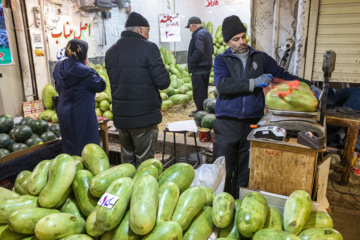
x,y
191,115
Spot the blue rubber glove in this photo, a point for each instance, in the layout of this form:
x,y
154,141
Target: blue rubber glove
x,y
263,80
316,91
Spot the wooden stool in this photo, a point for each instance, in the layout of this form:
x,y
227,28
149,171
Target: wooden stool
x,y
102,124
352,122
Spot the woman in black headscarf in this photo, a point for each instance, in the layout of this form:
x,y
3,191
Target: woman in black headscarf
x,y
77,84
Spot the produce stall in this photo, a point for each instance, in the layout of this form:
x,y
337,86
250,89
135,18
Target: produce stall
x,y
84,198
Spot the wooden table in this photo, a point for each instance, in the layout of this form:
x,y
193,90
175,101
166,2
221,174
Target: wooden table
x,y
102,124
352,122
282,167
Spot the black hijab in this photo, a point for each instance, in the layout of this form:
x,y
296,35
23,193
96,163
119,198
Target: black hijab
x,y
77,48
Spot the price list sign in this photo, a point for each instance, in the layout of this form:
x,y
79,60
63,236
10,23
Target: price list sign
x,y
169,27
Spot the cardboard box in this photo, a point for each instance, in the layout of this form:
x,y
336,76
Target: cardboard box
x,y
20,153
278,201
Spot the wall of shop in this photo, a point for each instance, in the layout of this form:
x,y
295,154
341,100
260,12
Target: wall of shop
x,y
11,89
62,17
273,22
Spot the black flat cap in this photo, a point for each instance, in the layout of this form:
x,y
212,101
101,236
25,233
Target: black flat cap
x,y
193,20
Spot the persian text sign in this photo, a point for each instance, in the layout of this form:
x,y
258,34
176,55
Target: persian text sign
x,y
169,27
68,28
211,3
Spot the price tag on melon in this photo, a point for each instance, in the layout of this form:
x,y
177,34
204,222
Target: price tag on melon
x,y
108,200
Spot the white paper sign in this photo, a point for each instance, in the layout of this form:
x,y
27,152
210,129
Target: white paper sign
x,y
108,200
169,27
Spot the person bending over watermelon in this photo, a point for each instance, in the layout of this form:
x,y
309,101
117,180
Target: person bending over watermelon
x,y
240,73
136,72
77,84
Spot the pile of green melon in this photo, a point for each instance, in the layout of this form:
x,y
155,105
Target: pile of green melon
x,y
103,100
49,114
73,197
180,90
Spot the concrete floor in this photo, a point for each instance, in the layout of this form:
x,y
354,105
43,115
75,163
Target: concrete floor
x,y
344,200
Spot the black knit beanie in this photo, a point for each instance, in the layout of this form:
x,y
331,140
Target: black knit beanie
x,y
232,26
136,20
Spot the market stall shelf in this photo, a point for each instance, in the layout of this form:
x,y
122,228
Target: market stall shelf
x,y
352,122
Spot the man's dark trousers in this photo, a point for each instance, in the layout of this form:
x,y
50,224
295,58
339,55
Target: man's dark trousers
x,y
230,140
200,83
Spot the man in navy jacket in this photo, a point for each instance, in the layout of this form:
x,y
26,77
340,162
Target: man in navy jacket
x,y
240,74
199,61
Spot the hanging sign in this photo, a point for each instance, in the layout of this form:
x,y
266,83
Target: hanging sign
x,y
211,3
169,27
5,53
67,28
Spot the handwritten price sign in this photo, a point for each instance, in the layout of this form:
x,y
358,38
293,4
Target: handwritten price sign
x,y
108,200
169,27
211,3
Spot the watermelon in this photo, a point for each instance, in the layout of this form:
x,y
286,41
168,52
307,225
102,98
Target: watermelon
x,y
169,91
47,94
26,121
6,123
210,106
39,126
208,121
198,117
55,128
3,152
32,141
179,98
322,233
48,136
209,27
22,133
297,210
301,99
17,146
206,101
5,140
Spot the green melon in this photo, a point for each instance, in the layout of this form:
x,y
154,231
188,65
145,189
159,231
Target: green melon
x,y
6,123
208,121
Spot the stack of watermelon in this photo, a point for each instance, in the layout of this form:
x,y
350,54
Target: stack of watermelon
x,y
59,199
180,89
49,114
103,105
206,119
29,132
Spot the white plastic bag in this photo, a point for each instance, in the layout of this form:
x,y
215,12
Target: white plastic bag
x,y
211,175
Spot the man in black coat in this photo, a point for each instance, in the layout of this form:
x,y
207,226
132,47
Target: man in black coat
x,y
136,72
199,61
